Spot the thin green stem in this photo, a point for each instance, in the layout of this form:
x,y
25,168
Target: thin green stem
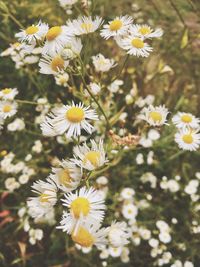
x,y
15,20
92,96
26,102
121,69
177,12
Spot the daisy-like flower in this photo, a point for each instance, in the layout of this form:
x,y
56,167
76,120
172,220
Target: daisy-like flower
x,y
72,49
135,45
145,31
84,25
117,27
84,205
67,3
7,109
155,116
56,38
183,120
118,234
90,158
33,33
68,177
102,64
46,199
129,211
52,65
8,93
188,139
89,234
69,119
62,79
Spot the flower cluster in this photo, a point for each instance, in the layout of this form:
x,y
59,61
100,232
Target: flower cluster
x,y
98,125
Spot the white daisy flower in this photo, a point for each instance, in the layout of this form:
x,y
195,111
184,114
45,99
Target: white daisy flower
x,y
118,234
84,205
102,64
67,3
188,139
183,120
33,33
62,79
7,109
155,116
56,38
68,177
46,199
134,45
72,49
127,193
95,89
8,93
129,211
145,31
84,25
89,234
90,158
117,27
52,65
115,251
69,119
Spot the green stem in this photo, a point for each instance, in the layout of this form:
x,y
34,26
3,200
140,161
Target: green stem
x,y
121,69
92,96
177,12
26,102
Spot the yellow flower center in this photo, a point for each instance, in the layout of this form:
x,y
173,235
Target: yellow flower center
x,y
53,32
144,30
44,198
187,138
87,26
155,116
17,44
115,25
93,157
186,118
80,206
137,43
32,30
3,153
64,177
7,108
6,91
83,237
57,63
75,114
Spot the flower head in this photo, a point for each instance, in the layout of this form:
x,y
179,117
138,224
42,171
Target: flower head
x,y
67,177
33,33
117,27
56,39
84,205
155,116
102,64
53,65
69,119
46,199
84,25
145,31
188,139
7,109
183,120
8,93
90,158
